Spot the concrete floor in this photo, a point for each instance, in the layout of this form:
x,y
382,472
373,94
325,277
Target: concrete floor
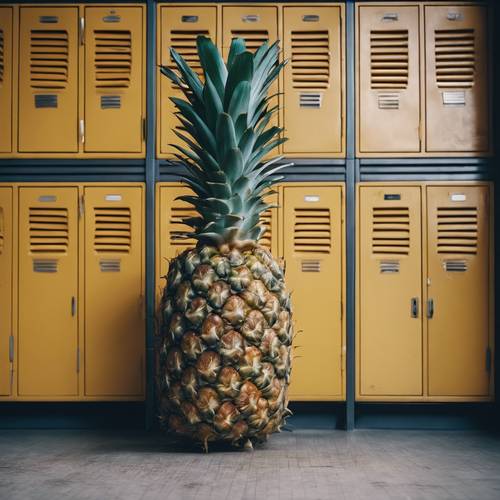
x,y
303,464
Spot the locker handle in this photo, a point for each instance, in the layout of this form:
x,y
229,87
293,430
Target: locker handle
x,y
414,307
11,349
390,16
251,18
81,131
82,31
430,308
73,306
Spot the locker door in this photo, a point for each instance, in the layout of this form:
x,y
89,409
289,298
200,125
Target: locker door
x,y
6,79
6,333
458,286
390,276
179,28
456,44
313,84
48,291
114,68
114,291
389,80
48,80
312,229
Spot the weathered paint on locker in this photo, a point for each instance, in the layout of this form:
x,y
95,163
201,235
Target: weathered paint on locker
x,y
48,80
312,249
6,328
388,69
113,79
390,297
179,27
48,291
458,290
114,291
6,66
456,43
312,80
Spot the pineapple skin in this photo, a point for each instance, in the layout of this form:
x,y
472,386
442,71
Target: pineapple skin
x,y
224,347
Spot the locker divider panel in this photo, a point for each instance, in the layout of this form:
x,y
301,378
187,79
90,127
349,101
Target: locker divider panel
x,y
6,72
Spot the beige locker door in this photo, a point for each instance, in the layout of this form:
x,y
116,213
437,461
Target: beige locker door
x,y
48,291
456,42
48,80
179,28
5,79
312,80
458,286
312,229
114,291
6,332
390,277
114,66
389,82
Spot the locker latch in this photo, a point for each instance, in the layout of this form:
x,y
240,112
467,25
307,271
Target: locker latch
x,y
430,308
73,306
390,16
81,131
11,349
414,307
82,31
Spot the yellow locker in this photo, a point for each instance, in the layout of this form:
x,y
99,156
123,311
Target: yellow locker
x,y
114,65
6,79
388,79
313,251
114,291
48,357
6,332
312,80
48,80
390,295
456,44
179,28
458,290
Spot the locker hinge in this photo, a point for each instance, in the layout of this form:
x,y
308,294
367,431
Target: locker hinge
x,y
11,349
488,360
82,31
144,129
81,206
81,131
77,360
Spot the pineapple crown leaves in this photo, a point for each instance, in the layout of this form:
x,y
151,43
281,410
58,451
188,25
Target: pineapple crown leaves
x,y
226,131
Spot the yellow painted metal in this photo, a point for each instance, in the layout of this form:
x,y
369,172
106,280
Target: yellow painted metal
x,y
6,71
458,284
6,328
390,297
114,65
114,291
456,54
312,221
48,291
48,79
388,69
179,27
313,80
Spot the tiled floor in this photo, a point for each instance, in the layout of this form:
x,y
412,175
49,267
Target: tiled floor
x,y
303,464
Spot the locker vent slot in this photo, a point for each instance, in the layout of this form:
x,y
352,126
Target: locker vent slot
x,y
111,102
265,221
310,266
390,231
457,230
45,266
455,266
48,230
388,100
455,58
312,230
311,60
112,226
389,266
389,59
253,38
112,59
2,230
45,100
49,59
310,100
184,42
178,236
110,265
2,60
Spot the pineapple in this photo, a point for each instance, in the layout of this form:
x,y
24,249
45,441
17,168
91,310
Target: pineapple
x,y
224,346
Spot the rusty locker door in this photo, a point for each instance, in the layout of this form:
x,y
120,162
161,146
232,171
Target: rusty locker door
x,y
313,241
388,70
48,80
179,28
390,292
6,79
313,83
48,358
458,290
114,66
457,103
